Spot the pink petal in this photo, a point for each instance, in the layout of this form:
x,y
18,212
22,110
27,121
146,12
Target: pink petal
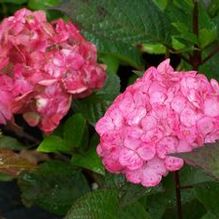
x,y
166,146
183,146
150,178
165,67
211,106
205,125
130,159
104,125
178,103
148,123
158,166
111,162
134,176
131,143
189,117
32,118
173,163
146,151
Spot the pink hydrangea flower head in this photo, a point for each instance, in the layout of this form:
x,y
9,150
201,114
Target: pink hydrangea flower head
x,y
162,113
6,86
48,64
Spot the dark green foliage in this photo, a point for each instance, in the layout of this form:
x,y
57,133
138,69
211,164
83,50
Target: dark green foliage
x,y
95,205
54,186
115,27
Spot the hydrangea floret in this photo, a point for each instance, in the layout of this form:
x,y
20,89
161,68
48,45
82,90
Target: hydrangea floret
x,y
43,66
162,113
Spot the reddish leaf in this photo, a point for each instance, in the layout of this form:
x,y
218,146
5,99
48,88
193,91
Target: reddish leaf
x,y
13,163
206,157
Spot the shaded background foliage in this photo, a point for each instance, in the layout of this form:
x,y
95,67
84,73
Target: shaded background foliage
x,y
63,174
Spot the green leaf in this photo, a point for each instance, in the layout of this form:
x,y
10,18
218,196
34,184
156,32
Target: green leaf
x,y
75,131
18,2
177,45
210,68
52,144
95,205
89,160
10,143
162,4
207,37
123,51
111,62
147,23
46,5
212,7
209,215
114,26
205,158
216,20
133,78
111,89
113,181
133,211
128,189
208,195
5,177
54,186
156,48
180,16
42,4
193,176
158,203
94,106
207,28
192,210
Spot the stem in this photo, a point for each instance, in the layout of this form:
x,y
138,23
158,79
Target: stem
x,y
167,54
18,131
178,195
195,58
173,51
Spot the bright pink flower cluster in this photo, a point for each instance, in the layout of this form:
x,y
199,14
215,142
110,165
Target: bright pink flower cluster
x,y
42,66
163,112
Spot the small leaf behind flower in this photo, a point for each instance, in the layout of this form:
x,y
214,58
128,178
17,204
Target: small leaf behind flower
x,y
9,142
75,131
53,143
89,160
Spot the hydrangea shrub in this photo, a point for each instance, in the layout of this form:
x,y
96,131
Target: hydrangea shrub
x,y
43,66
162,113
48,66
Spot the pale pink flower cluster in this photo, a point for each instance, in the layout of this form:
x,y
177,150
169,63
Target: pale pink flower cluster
x,y
42,67
163,112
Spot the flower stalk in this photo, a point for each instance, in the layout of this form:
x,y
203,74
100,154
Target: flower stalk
x,y
178,195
